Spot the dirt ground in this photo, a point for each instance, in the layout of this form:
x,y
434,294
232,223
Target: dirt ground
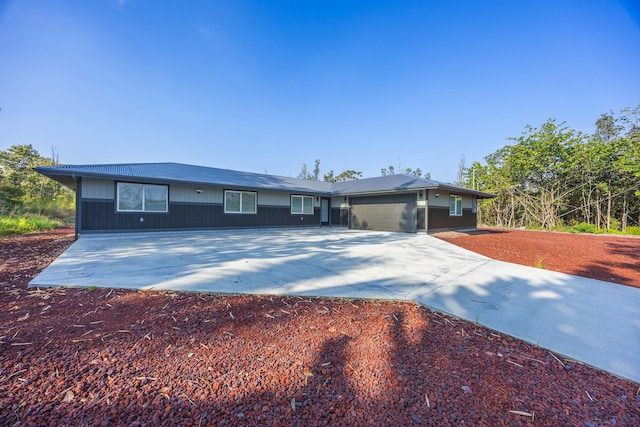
x,y
610,258
115,357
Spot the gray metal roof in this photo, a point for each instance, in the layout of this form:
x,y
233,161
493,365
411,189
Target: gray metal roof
x,y
382,184
181,173
395,183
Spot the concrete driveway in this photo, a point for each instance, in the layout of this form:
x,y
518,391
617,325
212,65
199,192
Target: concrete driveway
x,y
592,321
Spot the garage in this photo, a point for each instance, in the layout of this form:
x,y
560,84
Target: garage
x,y
396,212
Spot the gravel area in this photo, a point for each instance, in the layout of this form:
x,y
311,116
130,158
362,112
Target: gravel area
x,y
610,258
115,357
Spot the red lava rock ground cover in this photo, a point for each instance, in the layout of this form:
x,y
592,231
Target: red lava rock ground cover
x,y
116,357
610,258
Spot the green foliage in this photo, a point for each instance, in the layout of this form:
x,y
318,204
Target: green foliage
x,y
405,171
347,175
584,227
26,192
553,175
26,224
633,230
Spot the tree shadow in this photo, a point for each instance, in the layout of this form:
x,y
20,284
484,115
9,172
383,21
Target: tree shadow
x,y
621,272
199,359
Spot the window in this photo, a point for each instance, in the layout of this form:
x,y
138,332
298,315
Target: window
x,y
240,202
302,205
455,205
142,197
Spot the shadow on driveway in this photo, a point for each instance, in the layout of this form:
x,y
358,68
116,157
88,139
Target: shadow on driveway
x,y
592,321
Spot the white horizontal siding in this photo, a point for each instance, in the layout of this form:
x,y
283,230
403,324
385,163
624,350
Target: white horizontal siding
x,y
93,188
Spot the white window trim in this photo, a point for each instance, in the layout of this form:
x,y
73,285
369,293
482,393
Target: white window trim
x,y
143,210
455,211
302,205
255,211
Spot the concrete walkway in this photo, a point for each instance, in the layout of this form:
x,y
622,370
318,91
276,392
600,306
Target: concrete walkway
x,y
592,321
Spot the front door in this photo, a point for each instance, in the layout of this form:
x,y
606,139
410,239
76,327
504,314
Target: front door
x,y
324,212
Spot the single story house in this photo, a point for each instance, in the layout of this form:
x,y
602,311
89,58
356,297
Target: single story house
x,y
173,196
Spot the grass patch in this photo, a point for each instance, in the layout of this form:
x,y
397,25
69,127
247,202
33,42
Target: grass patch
x,y
584,227
634,231
10,225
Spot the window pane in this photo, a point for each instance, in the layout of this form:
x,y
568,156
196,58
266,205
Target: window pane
x,y
249,202
155,198
307,205
296,204
129,197
232,201
455,205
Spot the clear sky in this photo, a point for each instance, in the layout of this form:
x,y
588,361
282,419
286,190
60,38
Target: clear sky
x,y
264,86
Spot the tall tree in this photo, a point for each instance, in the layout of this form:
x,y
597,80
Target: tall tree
x,y
461,170
20,185
552,176
313,175
388,171
346,175
316,170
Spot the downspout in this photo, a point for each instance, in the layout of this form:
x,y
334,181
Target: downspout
x,y
78,182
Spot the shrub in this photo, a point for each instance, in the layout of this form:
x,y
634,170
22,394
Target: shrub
x,y
584,227
26,224
634,230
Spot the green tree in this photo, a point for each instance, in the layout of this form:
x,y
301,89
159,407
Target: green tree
x,y
311,176
406,171
388,171
552,175
23,188
347,175
328,177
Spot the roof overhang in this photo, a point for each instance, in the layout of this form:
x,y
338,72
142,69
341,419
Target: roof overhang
x,y
173,173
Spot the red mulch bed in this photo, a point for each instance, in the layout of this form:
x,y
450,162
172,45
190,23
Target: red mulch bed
x,y
116,357
609,258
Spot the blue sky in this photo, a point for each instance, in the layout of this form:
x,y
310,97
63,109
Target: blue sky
x,y
264,86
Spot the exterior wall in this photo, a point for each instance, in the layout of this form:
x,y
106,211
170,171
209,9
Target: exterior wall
x,y
104,189
422,209
439,219
339,211
191,209
274,198
422,219
100,215
188,209
183,193
443,199
340,216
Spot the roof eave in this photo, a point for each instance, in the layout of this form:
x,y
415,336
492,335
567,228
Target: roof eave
x,y
68,179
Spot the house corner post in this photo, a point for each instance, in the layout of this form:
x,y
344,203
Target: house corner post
x,y
78,181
